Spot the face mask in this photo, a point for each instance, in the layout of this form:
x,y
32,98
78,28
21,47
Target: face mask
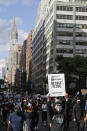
x,y
58,108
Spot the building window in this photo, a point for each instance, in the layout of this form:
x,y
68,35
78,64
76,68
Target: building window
x,y
81,34
81,9
64,33
65,42
81,43
81,17
64,8
64,25
70,51
68,17
81,51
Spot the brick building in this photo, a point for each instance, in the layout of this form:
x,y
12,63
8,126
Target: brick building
x,y
29,57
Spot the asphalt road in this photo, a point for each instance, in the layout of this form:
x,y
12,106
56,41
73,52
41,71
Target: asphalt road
x,y
41,127
3,127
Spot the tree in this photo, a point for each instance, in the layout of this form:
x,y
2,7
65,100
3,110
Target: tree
x,y
76,66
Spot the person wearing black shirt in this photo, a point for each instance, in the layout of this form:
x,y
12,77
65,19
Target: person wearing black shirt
x,y
78,115
56,115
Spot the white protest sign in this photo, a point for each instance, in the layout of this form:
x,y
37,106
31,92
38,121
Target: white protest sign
x,y
56,83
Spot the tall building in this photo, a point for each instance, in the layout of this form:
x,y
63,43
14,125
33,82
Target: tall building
x,y
2,73
14,53
61,29
23,65
29,57
3,68
23,57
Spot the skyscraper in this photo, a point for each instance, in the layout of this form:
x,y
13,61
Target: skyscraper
x,y
61,29
29,56
14,53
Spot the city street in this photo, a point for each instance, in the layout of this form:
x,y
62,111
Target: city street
x,y
41,128
43,65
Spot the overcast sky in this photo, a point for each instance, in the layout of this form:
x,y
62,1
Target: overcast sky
x,y
25,12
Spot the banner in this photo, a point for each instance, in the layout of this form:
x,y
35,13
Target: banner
x,y
56,84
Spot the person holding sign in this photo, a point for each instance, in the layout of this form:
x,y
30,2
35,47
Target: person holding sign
x,y
56,114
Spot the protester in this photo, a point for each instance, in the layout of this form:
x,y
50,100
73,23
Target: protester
x,y
44,112
15,120
5,111
29,117
85,118
78,115
36,112
59,111
56,116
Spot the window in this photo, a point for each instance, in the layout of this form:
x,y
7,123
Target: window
x,y
81,34
64,25
64,51
81,9
64,42
64,8
81,17
81,43
69,17
64,33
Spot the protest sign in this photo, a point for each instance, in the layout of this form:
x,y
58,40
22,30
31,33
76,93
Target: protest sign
x,y
56,83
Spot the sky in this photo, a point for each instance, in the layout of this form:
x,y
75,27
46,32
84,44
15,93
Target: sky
x,y
25,12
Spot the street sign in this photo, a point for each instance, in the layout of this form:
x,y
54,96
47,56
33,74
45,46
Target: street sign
x,y
56,84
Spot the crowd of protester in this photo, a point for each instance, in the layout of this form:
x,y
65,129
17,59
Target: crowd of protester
x,y
59,113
